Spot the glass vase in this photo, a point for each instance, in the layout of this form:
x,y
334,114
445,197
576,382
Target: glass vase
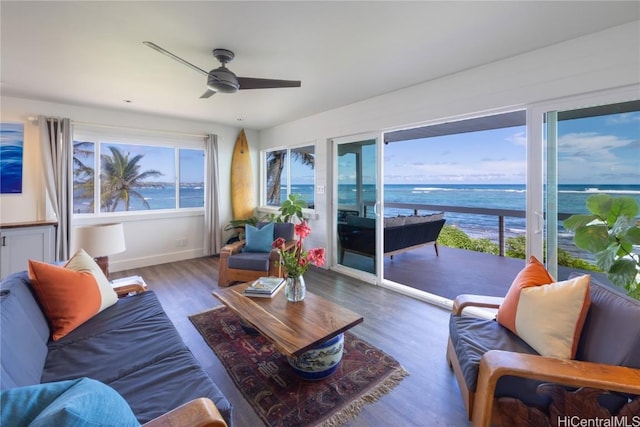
x,y
295,288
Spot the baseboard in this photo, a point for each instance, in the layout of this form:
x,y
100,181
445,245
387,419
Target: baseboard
x,y
147,261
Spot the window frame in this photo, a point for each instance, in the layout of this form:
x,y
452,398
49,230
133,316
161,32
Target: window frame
x,y
106,135
264,179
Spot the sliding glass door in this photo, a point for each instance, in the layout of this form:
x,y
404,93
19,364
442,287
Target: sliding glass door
x,y
589,151
356,203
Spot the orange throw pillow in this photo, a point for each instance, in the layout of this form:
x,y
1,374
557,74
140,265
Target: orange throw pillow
x,y
68,298
533,274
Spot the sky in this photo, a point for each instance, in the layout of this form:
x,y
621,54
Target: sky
x,y
162,159
596,150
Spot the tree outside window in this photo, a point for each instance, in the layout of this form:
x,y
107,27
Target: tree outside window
x,y
290,171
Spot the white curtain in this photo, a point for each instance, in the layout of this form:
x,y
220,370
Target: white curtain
x,y
213,233
56,148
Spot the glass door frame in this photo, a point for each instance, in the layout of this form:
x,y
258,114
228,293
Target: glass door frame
x,y
539,163
376,277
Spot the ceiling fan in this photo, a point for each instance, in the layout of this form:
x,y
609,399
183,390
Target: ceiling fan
x,y
222,79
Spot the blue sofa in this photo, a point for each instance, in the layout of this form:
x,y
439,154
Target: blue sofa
x,y
131,346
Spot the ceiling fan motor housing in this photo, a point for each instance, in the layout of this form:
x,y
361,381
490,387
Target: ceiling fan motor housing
x,y
222,80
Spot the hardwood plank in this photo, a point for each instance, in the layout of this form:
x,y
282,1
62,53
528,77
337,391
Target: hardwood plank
x,y
412,331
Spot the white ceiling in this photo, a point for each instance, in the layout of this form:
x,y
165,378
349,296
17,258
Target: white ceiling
x,y
91,52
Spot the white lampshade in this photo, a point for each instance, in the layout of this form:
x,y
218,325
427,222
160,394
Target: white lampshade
x,y
101,239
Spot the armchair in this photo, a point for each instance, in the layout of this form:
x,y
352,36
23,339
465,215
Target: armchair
x,y
504,381
239,265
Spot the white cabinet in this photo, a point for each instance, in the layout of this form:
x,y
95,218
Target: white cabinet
x,y
24,241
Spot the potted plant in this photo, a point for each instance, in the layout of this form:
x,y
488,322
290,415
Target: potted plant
x,y
610,232
289,209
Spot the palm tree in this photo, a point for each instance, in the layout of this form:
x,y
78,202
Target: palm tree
x,y
275,165
119,178
83,175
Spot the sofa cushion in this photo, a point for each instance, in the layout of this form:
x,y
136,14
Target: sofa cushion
x,y
135,349
284,230
394,221
81,402
258,239
550,318
611,333
533,274
82,261
360,221
473,337
255,261
68,298
23,334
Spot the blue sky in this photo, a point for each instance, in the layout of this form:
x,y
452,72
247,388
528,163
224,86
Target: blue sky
x,y
596,150
162,159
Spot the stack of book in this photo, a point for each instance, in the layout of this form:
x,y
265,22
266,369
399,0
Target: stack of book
x,y
264,287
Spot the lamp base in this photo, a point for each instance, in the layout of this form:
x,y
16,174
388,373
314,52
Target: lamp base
x,y
103,263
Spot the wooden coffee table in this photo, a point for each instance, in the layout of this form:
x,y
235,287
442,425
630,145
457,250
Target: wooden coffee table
x,y
293,327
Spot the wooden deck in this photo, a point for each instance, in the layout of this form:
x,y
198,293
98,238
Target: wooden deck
x,y
454,272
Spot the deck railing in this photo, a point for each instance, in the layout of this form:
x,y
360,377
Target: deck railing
x,y
501,214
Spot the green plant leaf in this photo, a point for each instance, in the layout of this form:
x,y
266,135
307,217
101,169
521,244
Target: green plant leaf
x,y
632,235
599,204
593,238
576,221
623,273
622,206
607,257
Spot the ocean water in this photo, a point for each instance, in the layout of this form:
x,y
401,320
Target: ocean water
x,y
571,200
191,196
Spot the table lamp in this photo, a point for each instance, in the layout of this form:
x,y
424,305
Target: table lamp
x,y
100,241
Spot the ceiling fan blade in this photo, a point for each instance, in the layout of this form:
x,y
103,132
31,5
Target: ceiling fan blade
x,y
172,56
207,94
253,83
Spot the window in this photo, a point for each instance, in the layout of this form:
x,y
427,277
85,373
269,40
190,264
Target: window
x,y
290,171
135,176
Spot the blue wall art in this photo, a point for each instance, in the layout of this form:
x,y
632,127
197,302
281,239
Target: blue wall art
x,y
11,148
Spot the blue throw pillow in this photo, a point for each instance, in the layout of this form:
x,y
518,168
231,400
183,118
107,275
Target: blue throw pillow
x,y
258,239
72,403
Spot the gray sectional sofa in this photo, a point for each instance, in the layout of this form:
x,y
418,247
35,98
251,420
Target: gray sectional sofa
x,y
131,346
401,234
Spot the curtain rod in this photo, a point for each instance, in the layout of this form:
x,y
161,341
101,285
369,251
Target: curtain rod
x,y
138,129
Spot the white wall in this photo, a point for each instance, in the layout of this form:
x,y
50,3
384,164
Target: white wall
x,y
150,239
603,60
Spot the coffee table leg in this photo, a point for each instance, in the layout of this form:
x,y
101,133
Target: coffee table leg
x,y
321,361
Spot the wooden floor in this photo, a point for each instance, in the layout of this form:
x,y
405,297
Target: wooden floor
x,y
413,332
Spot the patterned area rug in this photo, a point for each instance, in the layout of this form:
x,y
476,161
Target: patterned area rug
x,y
279,396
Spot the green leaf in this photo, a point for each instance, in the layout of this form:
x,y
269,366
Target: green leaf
x,y
623,273
622,206
592,238
632,235
606,258
599,204
576,221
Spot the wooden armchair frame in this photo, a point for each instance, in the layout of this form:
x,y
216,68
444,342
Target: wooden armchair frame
x,y
200,412
482,407
227,276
